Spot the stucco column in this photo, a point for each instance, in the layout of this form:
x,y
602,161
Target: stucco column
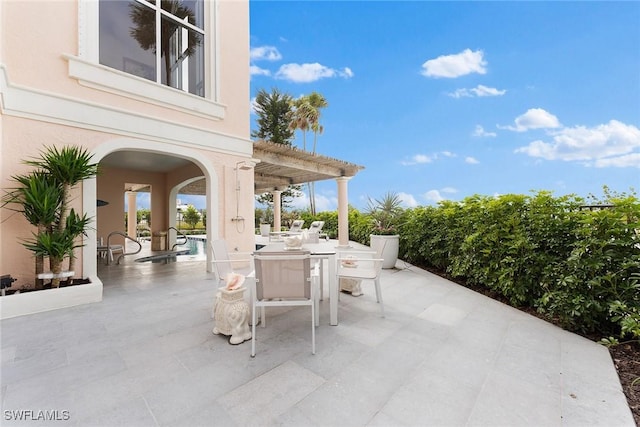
x,y
343,212
132,214
277,209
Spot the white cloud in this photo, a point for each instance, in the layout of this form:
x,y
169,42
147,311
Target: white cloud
x,y
417,160
407,200
252,105
264,53
323,203
480,132
611,144
479,90
254,70
460,64
534,118
471,160
346,72
433,196
306,73
626,161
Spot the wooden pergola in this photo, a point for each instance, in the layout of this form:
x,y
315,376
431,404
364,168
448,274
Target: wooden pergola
x,y
281,165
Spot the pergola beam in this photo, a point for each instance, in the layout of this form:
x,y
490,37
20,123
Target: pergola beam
x,y
281,165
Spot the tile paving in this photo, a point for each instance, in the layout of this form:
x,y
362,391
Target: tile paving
x,y
443,356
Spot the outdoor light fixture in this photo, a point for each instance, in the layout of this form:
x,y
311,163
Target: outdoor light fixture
x,y
246,165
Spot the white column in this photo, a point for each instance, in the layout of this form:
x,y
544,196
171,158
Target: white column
x,y
277,209
132,214
343,212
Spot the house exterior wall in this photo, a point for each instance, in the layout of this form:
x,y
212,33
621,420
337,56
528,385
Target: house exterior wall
x,y
53,92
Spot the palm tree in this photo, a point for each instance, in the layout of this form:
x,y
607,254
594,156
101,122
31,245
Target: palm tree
x,y
302,116
145,30
306,117
317,102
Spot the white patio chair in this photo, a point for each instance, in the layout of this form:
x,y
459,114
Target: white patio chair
x,y
222,264
362,265
284,279
316,228
296,226
104,251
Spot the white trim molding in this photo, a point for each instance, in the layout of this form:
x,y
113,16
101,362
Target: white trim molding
x,y
120,83
36,104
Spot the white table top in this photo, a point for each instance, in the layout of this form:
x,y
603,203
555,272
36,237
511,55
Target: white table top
x,y
322,248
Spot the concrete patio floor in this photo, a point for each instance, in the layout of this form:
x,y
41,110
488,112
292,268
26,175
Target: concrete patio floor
x,y
443,356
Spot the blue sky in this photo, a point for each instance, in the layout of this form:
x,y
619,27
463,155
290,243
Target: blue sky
x,y
443,100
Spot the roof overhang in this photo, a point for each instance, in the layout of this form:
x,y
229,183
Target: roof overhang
x,y
282,165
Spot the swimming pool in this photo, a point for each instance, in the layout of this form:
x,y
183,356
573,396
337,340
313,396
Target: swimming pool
x,y
197,246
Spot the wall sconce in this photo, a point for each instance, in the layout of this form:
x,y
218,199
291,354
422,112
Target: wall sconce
x,y
246,165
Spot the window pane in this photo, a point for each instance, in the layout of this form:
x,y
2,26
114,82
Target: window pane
x,y
182,57
191,9
127,37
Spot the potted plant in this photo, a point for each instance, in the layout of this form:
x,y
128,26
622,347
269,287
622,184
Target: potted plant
x,y
43,197
385,215
265,222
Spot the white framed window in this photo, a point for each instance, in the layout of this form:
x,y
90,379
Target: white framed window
x,y
118,52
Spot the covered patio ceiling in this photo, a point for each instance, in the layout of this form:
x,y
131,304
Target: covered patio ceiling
x,y
281,165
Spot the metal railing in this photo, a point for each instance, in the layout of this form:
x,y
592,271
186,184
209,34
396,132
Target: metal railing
x,y
123,254
179,235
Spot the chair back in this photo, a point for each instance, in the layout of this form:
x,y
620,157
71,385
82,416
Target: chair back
x,y
379,251
296,226
220,253
380,248
316,226
283,275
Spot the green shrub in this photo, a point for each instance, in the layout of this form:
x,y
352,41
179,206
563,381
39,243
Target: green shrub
x,y
577,266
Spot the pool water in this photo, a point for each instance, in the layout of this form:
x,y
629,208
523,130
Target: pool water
x,y
197,250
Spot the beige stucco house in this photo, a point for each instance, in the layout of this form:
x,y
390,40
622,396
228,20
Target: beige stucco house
x,y
87,73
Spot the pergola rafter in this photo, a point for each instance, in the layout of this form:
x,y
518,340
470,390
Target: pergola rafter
x,y
281,165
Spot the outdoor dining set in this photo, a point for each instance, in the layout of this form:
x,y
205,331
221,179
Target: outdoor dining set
x,y
290,270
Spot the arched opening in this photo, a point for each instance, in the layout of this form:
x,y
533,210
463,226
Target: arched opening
x,y
155,171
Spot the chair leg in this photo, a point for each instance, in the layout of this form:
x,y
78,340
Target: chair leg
x,y
379,296
321,268
253,329
314,298
313,329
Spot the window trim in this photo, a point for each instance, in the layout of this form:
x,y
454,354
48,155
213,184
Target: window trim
x,y
86,68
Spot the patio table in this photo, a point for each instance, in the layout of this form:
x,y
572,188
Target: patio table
x,y
321,251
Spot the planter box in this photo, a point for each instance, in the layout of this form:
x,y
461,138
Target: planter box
x,y
265,229
50,299
391,248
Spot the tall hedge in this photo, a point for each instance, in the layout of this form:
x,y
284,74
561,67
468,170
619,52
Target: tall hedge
x,y
577,265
